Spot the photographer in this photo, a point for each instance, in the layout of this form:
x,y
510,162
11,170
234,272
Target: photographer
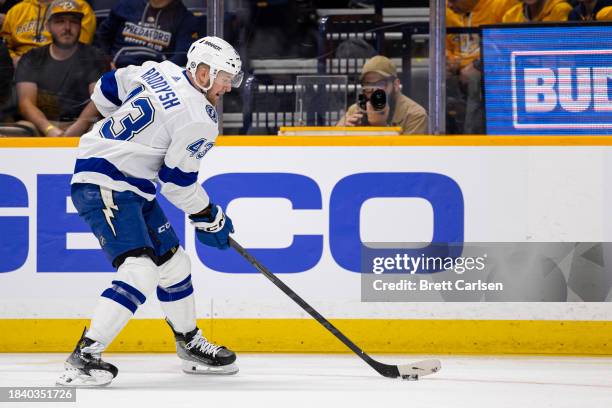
x,y
387,107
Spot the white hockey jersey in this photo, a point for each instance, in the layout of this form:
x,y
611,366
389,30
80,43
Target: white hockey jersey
x,y
156,128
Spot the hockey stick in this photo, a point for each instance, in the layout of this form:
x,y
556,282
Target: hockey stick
x,y
406,371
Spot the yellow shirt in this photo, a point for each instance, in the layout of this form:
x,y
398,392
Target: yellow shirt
x,y
466,47
605,14
553,10
27,19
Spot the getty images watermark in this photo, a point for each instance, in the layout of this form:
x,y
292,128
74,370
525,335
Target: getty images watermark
x,y
424,274
37,394
430,264
487,272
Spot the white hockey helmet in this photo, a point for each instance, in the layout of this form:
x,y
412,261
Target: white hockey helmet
x,y
219,55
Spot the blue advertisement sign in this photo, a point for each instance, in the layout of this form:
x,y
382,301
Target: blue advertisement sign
x,y
548,79
54,221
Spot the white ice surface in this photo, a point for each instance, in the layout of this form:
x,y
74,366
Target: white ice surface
x,y
320,381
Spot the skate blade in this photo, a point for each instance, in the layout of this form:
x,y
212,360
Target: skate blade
x,y
414,371
191,367
73,377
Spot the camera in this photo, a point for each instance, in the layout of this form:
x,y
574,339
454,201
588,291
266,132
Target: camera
x,y
378,99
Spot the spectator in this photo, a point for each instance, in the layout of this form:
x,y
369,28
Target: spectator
x,y
592,10
6,76
54,82
538,11
5,5
355,47
380,73
141,30
463,59
24,26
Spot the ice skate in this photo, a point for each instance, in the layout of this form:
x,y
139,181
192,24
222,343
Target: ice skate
x,y
85,368
199,356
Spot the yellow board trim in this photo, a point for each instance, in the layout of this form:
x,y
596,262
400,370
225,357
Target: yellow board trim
x,y
307,336
66,142
316,131
338,128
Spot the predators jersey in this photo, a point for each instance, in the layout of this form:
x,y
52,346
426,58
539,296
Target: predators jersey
x,y
553,10
157,127
24,26
466,47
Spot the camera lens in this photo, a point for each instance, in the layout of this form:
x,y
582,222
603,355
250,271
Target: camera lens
x,y
378,99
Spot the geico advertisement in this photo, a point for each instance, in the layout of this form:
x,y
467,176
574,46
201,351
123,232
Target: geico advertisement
x,y
304,213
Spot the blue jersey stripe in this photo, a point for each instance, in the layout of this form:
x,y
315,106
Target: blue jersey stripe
x,y
121,299
103,166
175,292
131,290
177,176
109,88
165,296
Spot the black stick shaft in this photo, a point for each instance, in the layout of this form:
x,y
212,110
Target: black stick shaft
x,y
384,369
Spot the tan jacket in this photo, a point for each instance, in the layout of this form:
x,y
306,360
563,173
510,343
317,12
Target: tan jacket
x,y
408,115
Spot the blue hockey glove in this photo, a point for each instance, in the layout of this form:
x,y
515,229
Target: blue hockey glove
x,y
214,228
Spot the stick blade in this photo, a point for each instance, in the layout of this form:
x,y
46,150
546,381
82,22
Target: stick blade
x,y
414,371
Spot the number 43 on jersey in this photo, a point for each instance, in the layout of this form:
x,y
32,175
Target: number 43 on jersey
x,y
141,115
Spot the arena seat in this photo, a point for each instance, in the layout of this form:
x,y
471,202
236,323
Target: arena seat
x,y
101,8
15,130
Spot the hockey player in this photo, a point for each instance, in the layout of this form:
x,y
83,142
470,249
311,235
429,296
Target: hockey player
x,y
159,121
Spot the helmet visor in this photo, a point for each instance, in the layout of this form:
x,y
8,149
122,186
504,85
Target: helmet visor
x,y
225,78
237,79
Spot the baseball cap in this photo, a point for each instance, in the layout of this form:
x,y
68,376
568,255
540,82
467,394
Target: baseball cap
x,y
381,65
65,7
